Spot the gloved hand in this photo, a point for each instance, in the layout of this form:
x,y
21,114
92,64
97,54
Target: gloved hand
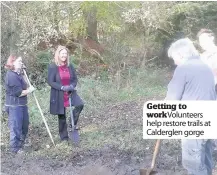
x,y
71,87
31,89
67,88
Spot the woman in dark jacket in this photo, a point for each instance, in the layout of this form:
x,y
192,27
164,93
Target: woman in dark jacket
x,y
16,103
63,80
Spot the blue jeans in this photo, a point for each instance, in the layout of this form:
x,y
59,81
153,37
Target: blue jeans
x,y
197,156
18,123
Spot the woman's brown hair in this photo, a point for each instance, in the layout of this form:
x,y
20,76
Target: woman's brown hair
x,y
9,64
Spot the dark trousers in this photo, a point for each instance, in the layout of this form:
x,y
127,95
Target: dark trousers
x,y
18,123
63,132
76,113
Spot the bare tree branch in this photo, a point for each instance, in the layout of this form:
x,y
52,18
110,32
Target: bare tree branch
x,y
120,6
8,7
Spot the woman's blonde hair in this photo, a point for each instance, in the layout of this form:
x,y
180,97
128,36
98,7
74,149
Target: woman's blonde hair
x,y
57,53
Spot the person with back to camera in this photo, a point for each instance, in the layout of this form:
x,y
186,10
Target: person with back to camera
x,y
63,80
16,103
192,80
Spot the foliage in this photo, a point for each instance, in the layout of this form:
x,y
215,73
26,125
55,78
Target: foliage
x,y
132,33
43,59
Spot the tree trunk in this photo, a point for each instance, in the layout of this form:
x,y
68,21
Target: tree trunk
x,y
13,35
91,20
55,16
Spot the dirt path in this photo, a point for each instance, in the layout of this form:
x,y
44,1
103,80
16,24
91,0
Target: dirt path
x,y
112,144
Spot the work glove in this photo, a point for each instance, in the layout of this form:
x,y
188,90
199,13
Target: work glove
x,y
31,89
67,88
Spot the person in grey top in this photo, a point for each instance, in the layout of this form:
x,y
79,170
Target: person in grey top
x,y
192,80
207,42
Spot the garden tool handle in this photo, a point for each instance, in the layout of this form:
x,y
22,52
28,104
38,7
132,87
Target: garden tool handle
x,y
42,115
156,150
70,107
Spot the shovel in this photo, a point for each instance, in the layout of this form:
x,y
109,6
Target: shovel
x,y
150,171
74,134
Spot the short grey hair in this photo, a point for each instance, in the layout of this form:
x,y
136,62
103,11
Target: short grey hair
x,y
184,46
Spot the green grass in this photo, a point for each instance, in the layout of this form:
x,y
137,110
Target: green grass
x,y
143,83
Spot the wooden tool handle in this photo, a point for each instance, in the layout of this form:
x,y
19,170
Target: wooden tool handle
x,y
156,150
42,115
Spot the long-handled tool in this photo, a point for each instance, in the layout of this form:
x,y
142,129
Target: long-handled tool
x,y
150,171
75,135
48,130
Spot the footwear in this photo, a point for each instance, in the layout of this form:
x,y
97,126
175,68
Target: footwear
x,y
16,151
